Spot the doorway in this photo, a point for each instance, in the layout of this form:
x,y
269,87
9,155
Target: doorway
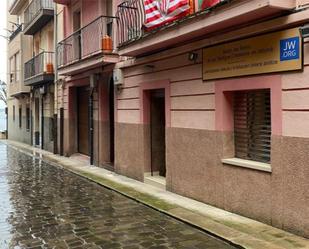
x,y
111,121
157,132
36,121
83,94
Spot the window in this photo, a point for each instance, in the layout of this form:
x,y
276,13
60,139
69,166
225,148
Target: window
x,y
17,66
252,125
20,117
28,118
14,113
18,19
12,69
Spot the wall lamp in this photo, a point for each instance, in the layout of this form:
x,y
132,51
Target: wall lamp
x,y
193,56
304,31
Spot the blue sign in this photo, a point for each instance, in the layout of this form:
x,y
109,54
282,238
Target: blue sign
x,y
289,49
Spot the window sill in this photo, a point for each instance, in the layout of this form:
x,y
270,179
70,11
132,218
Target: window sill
x,y
248,164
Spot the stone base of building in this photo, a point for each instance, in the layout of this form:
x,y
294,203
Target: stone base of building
x,y
194,169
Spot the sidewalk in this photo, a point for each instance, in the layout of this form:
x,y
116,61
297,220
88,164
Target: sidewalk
x,y
238,230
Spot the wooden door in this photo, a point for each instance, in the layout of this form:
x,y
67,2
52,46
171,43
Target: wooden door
x,y
157,126
83,119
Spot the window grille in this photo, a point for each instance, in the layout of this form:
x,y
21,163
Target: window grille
x,y
252,125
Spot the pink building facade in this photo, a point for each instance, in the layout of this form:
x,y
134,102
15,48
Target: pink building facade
x,y
220,127
216,147
86,96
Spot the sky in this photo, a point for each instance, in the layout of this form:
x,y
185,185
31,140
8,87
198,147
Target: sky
x,y
3,44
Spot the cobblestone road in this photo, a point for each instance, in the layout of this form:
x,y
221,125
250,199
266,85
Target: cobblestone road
x,y
42,206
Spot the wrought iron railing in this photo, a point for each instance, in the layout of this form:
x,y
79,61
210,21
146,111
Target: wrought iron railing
x,y
34,9
16,32
131,18
86,41
40,64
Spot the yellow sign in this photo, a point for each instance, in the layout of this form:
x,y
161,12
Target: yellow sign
x,y
275,52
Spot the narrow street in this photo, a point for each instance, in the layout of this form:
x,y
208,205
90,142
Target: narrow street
x,y
45,207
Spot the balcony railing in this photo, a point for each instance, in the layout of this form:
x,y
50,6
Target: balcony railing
x,y
15,32
39,65
35,8
86,41
131,19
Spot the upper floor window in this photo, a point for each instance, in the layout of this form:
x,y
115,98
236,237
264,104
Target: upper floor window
x,y
15,67
12,69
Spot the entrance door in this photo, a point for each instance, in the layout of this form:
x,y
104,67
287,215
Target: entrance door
x,y
37,121
83,94
157,132
112,121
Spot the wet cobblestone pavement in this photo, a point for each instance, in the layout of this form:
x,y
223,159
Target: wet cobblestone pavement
x,y
42,206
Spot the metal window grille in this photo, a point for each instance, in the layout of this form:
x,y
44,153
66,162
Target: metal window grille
x,y
252,125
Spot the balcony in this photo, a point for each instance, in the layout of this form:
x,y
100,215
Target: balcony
x,y
135,40
84,49
18,90
15,6
37,15
16,86
39,70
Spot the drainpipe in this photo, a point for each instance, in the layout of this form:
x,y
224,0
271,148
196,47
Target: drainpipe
x,y
31,119
55,118
7,122
61,130
42,122
91,126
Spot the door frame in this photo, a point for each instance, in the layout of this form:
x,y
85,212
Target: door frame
x,y
145,89
145,101
77,117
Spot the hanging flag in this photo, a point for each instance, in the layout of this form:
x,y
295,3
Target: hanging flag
x,y
159,12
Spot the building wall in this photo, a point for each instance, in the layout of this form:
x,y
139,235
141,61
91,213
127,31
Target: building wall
x,y
20,44
195,144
